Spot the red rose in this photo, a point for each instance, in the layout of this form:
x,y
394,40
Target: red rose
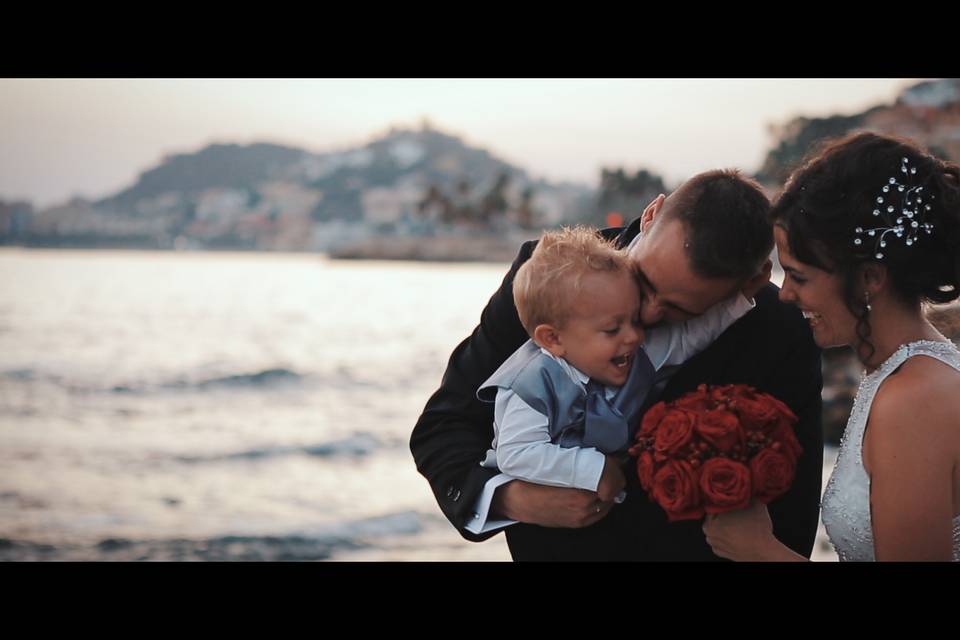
x,y
725,485
645,470
723,393
782,408
756,413
697,401
652,418
721,429
675,432
773,473
675,489
786,423
784,436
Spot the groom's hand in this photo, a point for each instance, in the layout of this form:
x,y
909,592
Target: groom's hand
x,y
612,481
549,506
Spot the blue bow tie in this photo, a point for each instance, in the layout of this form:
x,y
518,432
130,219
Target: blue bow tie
x,y
604,426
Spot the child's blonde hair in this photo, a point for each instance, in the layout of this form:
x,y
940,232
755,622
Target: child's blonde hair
x,y
547,284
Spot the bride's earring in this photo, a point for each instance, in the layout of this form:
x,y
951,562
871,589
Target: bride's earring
x,y
866,297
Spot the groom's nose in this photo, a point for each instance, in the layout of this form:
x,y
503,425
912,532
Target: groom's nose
x,y
651,312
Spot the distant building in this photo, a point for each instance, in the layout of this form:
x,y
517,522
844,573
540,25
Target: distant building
x,y
553,207
81,218
407,153
221,206
359,158
390,204
15,219
159,205
289,205
334,234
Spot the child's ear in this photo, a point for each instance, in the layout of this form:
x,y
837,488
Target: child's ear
x,y
548,337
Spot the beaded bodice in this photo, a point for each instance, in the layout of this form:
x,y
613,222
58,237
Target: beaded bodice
x,y
846,501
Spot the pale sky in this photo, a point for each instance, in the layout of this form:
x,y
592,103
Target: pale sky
x,y
93,137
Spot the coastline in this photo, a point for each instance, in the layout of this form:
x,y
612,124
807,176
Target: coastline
x,y
479,247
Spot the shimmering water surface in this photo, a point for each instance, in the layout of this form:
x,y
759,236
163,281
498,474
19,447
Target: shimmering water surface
x,y
192,406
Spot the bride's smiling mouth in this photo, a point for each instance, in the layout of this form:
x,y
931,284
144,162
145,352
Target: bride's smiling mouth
x,y
813,318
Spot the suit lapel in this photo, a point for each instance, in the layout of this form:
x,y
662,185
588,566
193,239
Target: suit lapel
x,y
626,235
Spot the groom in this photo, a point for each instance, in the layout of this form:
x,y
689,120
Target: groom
x,y
690,250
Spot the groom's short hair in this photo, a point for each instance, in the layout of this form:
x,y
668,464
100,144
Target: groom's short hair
x,y
727,224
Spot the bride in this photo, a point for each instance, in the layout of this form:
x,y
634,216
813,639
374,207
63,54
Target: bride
x,y
866,231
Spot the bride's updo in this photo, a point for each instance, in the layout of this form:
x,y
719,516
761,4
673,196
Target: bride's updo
x,y
873,198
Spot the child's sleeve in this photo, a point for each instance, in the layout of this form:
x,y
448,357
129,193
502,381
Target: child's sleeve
x,y
671,344
524,449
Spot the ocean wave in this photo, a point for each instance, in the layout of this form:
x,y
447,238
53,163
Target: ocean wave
x,y
300,546
265,379
226,548
400,523
268,378
20,375
360,444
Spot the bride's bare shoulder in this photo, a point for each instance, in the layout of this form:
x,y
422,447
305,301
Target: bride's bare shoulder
x,y
920,405
910,449
927,378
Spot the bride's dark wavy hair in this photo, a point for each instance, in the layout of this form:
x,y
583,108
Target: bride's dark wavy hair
x,y
834,191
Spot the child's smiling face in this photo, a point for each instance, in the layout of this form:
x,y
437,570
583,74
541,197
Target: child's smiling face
x,y
603,332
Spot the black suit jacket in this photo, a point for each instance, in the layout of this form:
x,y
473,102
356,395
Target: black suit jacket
x,y
771,348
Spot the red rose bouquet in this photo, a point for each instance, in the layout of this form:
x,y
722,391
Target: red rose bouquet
x,y
716,449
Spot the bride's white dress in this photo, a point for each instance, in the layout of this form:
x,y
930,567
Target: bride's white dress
x,y
846,501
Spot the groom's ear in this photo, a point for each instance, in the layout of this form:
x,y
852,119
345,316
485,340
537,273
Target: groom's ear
x,y
757,282
651,212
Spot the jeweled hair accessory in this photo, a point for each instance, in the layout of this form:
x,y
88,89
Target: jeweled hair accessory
x,y
906,223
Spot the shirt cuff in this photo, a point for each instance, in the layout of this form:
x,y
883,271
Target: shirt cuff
x,y
742,304
481,508
588,468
